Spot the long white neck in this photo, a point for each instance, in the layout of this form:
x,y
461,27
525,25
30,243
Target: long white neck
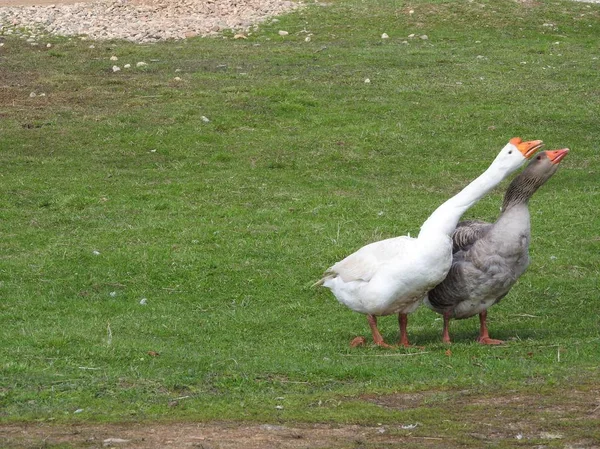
x,y
445,218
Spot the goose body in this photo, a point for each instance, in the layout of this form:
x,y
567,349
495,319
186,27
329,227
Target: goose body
x,y
488,259
392,276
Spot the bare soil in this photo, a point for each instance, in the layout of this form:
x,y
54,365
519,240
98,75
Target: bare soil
x,y
185,435
564,418
40,2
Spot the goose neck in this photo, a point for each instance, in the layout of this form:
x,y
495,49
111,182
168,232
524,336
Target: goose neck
x,y
520,190
445,218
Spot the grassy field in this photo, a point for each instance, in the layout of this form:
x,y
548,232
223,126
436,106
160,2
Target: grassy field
x,y
115,189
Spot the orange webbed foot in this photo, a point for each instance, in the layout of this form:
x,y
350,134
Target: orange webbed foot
x,y
362,341
382,344
358,341
489,341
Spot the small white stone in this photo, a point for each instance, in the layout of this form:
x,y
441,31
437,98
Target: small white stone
x,y
424,37
307,39
116,68
177,78
385,36
79,410
177,70
556,43
96,253
113,441
411,35
279,407
48,45
204,119
127,66
143,301
141,64
113,294
283,33
32,95
412,11
1,44
367,81
114,58
480,57
92,46
519,436
43,94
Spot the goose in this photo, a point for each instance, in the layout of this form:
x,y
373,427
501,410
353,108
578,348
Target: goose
x,y
489,258
392,276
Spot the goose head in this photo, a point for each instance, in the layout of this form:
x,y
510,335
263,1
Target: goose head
x,y
544,165
537,172
515,153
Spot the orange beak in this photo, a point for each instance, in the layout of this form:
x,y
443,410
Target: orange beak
x,y
557,155
527,148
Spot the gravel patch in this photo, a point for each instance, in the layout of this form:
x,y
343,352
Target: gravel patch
x,y
143,20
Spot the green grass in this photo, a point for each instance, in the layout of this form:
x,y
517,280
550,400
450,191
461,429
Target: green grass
x,y
115,189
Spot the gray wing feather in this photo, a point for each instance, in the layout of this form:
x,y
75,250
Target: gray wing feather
x,y
448,293
468,232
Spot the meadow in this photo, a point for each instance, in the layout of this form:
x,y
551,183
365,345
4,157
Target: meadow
x,y
159,236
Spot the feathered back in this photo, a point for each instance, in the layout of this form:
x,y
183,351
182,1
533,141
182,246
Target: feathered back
x,y
364,263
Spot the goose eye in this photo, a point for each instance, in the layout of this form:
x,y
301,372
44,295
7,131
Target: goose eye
x,y
539,157
510,152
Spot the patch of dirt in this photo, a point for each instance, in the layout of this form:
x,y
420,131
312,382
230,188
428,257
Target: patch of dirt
x,y
398,401
556,418
141,21
39,2
202,435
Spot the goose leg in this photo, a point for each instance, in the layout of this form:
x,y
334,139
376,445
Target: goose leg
x,y
445,333
403,322
484,337
377,338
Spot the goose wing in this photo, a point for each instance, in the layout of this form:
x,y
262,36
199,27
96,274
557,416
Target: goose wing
x,y
364,263
468,232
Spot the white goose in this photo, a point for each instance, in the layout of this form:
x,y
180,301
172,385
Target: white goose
x,y
393,275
